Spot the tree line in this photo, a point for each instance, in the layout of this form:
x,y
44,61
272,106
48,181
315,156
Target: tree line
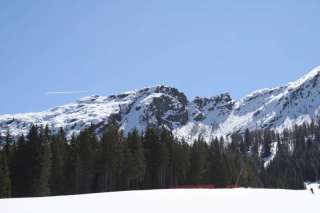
x,y
44,163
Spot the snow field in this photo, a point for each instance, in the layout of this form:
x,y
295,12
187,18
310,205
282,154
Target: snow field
x,y
173,200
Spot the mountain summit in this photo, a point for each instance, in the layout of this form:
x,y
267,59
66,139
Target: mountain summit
x,y
163,106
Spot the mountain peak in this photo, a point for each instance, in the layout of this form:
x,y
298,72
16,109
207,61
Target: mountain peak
x,y
315,72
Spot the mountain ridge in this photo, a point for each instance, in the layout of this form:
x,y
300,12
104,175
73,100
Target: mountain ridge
x,y
276,108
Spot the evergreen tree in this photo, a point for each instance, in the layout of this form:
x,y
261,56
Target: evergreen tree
x,y
87,154
58,156
43,188
157,157
5,182
198,162
162,157
217,165
150,141
248,140
34,148
20,174
110,158
134,160
73,169
180,161
9,147
267,140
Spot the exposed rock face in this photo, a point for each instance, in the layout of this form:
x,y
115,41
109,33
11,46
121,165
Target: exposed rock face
x,y
164,106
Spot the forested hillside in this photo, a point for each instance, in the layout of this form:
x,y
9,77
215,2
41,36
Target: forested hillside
x,y
43,164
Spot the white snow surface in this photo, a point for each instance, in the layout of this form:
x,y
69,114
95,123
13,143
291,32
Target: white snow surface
x,y
314,72
313,185
276,108
173,200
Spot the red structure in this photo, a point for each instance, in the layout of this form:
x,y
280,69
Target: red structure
x,y
204,186
207,186
232,186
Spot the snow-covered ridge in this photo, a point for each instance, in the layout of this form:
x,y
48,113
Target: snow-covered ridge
x,y
135,109
309,76
275,108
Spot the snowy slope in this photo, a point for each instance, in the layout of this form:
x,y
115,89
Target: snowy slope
x,y
155,106
275,108
179,200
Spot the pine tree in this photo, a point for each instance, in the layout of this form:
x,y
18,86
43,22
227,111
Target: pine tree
x,y
110,158
20,174
162,158
43,188
267,140
34,148
134,159
58,150
181,161
217,166
156,155
87,154
172,157
198,162
73,167
5,182
9,146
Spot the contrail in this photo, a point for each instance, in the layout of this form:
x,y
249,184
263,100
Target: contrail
x,y
66,92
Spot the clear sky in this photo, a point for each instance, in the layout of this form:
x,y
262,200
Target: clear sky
x,y
102,47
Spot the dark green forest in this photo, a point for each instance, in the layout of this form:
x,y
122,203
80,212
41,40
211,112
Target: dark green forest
x,y
44,163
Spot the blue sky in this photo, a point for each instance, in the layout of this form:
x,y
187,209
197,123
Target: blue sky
x,y
103,47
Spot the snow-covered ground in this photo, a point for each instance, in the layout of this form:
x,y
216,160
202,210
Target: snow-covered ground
x,y
174,200
314,186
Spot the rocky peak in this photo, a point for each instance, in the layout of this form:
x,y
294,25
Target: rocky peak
x,y
171,91
218,100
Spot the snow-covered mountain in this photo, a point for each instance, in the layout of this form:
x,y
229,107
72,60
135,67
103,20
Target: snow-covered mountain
x,y
276,108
